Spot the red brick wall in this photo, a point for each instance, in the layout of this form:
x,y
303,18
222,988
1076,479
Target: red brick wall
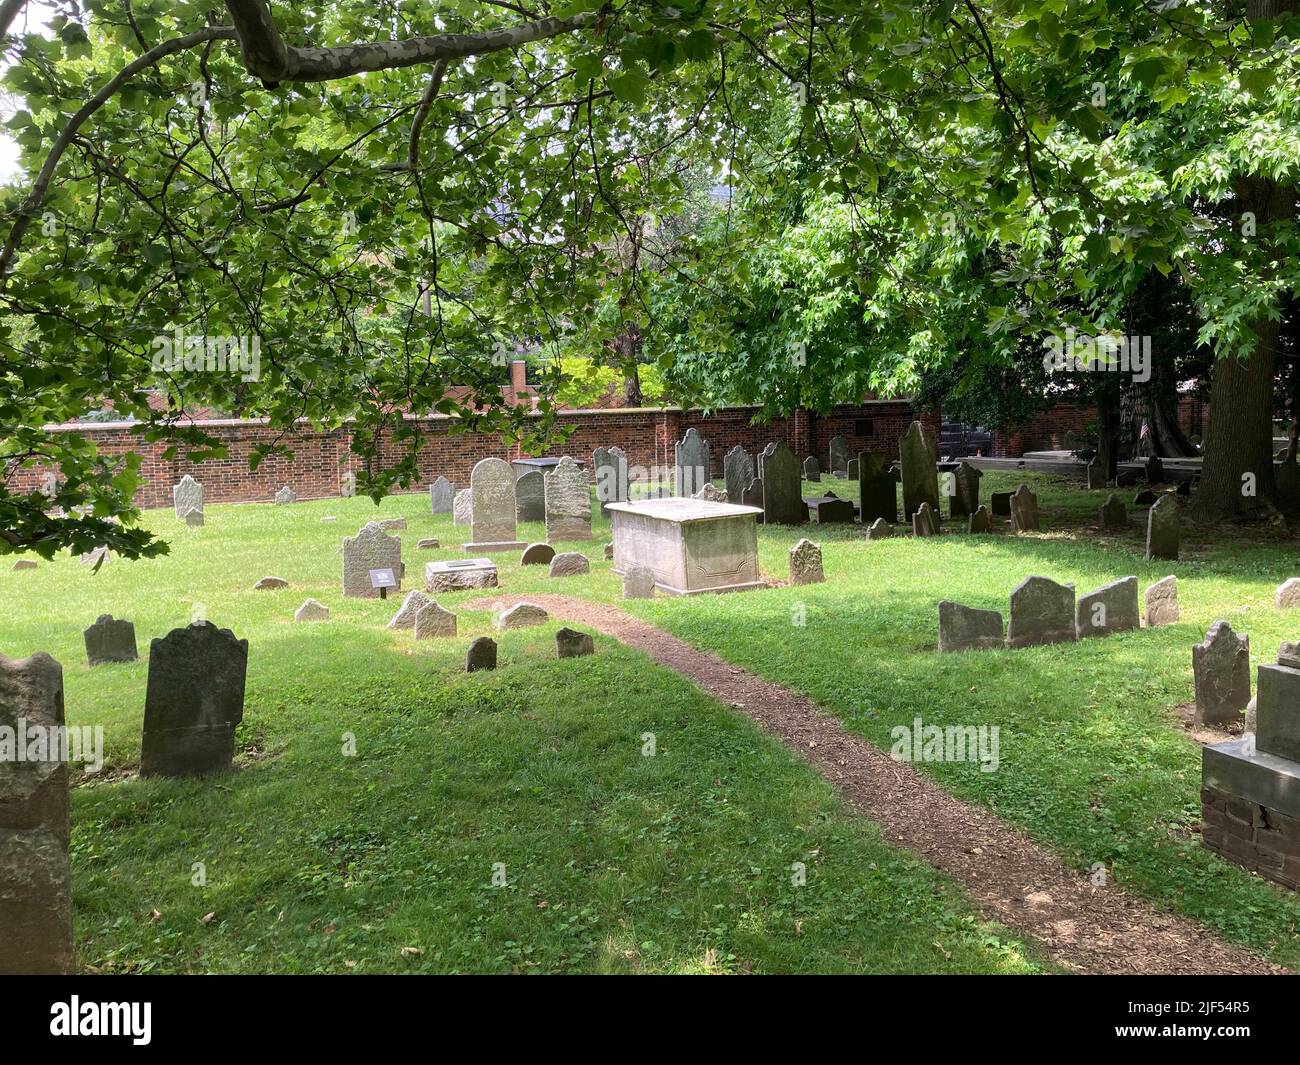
x,y
1047,431
321,458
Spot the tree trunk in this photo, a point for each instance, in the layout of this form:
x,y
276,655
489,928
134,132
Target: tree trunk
x,y
632,387
1108,435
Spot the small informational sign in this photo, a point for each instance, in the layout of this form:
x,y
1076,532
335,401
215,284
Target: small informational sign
x,y
383,579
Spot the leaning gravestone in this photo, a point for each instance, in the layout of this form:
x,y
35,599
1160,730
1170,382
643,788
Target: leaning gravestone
x,y
193,700
964,490
441,494
312,610
371,548
568,502
1096,475
35,877
812,470
285,495
920,474
1162,602
1163,529
1221,672
530,496
691,455
980,520
1113,514
1111,608
482,655
839,455
462,507
877,487
521,616
492,507
433,621
187,495
110,641
925,522
752,496
411,606
806,563
778,469
963,628
737,472
639,583
1024,510
609,465
1042,612
879,530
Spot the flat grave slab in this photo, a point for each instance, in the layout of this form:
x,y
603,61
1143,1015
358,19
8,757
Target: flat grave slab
x,y
691,546
460,573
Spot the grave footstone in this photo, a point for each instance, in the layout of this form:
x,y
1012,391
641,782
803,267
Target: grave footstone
x,y
925,521
877,487
980,521
1163,531
1162,602
35,876
812,470
1024,510
371,548
432,622
639,583
778,469
920,473
530,496
537,555
609,465
569,564
492,507
187,495
406,613
312,610
691,455
521,616
462,507
839,455
879,530
441,495
737,472
1096,475
806,563
194,698
1113,513
1288,594
110,640
963,628
1111,608
569,643
1221,673
482,655
285,495
568,502
1042,612
963,486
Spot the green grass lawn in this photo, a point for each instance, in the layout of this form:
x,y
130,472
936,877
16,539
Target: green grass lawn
x,y
317,860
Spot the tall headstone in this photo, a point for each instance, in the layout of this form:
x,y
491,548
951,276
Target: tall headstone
x,y
839,455
609,465
462,507
35,878
1042,612
963,486
1111,608
1096,475
568,502
1221,672
371,548
1113,514
920,474
530,496
1163,531
441,495
1024,510
193,700
492,507
1162,602
778,469
806,563
877,487
187,495
812,470
110,641
737,472
691,455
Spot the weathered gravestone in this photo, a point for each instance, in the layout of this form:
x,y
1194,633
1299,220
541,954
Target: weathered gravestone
x,y
406,613
569,643
569,564
530,496
737,472
812,470
1096,475
1221,672
920,474
1001,504
392,524
778,469
879,530
521,616
285,495
462,507
1042,612
1024,510
639,583
925,521
35,878
187,495
853,469
1163,530
691,455
609,465
877,487
492,507
433,621
1288,594
839,455
312,610
192,518
806,563
459,574
752,496
980,520
963,488
428,543
1111,608
1113,514
712,493
831,511
963,628
110,641
482,655
1162,602
348,485
441,495
537,555
193,700
371,548
568,502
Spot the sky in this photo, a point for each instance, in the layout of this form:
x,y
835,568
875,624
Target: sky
x,y
35,18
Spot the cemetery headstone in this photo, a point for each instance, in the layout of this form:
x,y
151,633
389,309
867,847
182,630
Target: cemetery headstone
x,y
462,507
963,484
392,524
1024,510
691,455
312,610
877,487
569,643
1111,608
1042,612
411,606
193,518
441,494
963,628
980,520
737,472
1221,672
778,469
920,473
879,530
433,621
639,583
839,455
348,485
806,563
1001,503
1113,514
1096,475
609,464
812,470
110,641
482,655
371,548
35,876
568,502
521,616
831,511
459,574
853,469
569,564
285,495
194,698
752,496
1162,602
537,555
492,511
925,521
530,496
1288,594
1163,531
187,495
1155,470
712,493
